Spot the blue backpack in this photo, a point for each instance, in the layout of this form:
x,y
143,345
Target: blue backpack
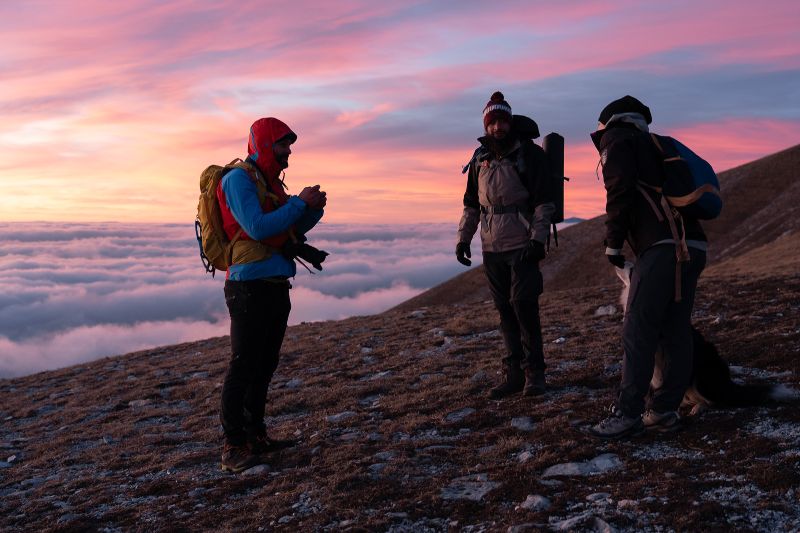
x,y
690,184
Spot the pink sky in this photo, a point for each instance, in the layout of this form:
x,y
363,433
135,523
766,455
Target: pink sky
x,y
112,110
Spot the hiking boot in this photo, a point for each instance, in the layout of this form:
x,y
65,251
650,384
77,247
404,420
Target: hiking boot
x,y
238,458
514,383
662,422
263,444
534,382
617,425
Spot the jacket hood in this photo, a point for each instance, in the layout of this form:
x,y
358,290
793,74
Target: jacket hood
x,y
597,136
524,127
263,134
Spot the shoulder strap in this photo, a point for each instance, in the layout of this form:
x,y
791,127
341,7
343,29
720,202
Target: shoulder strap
x,y
476,156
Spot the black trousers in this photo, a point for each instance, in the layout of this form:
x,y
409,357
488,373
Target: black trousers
x,y
515,286
259,312
654,319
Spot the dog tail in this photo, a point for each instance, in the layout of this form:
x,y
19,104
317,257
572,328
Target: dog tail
x,y
784,394
713,381
753,395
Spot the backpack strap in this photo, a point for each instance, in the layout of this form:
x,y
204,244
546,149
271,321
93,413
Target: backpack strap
x,y
479,153
676,228
258,179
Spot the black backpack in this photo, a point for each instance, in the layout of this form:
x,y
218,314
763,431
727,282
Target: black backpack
x,y
553,146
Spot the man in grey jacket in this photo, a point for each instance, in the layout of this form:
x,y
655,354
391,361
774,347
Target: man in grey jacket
x,y
509,195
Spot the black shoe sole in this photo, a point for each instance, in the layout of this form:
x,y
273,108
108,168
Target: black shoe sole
x,y
632,432
500,396
242,468
658,428
534,392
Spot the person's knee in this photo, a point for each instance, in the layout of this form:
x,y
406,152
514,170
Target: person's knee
x,y
243,366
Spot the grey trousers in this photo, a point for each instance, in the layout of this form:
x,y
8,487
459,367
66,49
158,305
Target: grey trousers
x,y
653,319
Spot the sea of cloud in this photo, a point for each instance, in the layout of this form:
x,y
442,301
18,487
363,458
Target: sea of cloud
x,y
71,293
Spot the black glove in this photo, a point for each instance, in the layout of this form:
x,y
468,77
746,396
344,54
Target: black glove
x,y
617,260
533,252
462,252
312,255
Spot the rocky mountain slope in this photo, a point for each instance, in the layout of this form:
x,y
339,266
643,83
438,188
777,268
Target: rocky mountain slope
x,y
397,432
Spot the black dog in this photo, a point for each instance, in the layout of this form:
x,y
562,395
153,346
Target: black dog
x,y
711,384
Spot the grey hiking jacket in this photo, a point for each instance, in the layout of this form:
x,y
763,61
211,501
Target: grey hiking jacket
x,y
509,196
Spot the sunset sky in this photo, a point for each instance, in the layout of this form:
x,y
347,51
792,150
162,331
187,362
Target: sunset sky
x,y
112,109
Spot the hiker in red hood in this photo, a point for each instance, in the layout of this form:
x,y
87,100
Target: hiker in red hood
x,y
271,226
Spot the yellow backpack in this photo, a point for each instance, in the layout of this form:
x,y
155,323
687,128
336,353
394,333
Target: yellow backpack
x,y
215,248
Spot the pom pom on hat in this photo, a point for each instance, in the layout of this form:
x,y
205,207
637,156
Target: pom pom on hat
x,y
496,107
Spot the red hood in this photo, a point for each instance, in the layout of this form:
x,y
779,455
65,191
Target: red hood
x,y
263,134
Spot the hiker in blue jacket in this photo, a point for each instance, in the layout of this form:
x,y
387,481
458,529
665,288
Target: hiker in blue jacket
x,y
632,166
268,229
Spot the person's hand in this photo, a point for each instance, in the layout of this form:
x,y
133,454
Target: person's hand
x,y
312,196
618,260
323,200
533,252
462,253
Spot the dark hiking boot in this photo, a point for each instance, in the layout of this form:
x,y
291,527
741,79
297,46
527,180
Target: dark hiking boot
x,y
238,458
514,383
263,444
534,382
617,426
661,422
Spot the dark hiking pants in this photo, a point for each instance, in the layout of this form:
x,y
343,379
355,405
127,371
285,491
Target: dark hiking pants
x,y
259,312
654,319
515,286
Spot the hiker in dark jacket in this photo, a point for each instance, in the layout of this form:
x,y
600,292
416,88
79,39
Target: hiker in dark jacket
x,y
272,226
508,194
632,166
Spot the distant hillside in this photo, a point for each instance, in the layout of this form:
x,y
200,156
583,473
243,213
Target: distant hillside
x,y
761,202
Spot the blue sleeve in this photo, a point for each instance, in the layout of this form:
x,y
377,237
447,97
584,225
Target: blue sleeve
x,y
241,195
308,220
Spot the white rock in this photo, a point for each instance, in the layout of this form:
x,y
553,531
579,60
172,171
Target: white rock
x,y
419,313
560,340
522,423
458,416
344,415
535,502
384,456
597,496
627,504
478,377
376,468
524,457
600,464
605,310
256,470
571,524
139,403
294,383
366,350
472,488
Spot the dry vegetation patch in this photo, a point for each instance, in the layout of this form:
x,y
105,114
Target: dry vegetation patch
x,y
393,420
